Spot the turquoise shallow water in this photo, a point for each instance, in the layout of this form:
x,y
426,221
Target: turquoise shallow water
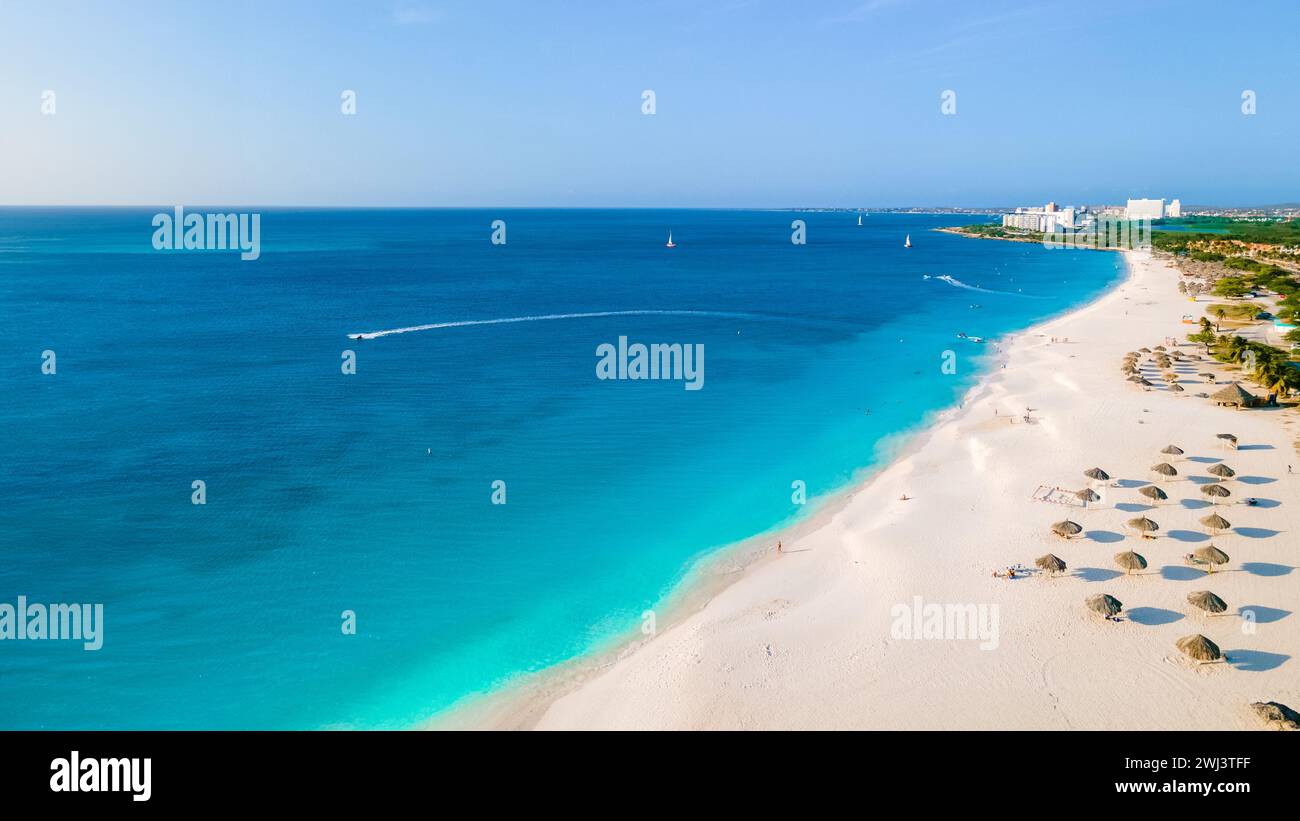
x,y
371,492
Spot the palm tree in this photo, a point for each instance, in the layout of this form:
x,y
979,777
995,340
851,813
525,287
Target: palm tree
x,y
1236,346
1219,314
1277,376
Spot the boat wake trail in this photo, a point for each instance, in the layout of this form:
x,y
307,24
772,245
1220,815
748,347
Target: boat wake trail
x,y
548,317
957,283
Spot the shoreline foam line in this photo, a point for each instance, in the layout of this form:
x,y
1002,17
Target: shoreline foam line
x,y
525,701
547,317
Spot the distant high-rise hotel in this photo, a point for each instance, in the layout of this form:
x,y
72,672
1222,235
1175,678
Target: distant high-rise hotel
x,y
1145,209
1174,209
1046,219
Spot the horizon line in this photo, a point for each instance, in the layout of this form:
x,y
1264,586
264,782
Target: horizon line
x,y
351,207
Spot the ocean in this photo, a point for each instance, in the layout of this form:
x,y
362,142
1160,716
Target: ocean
x,y
334,498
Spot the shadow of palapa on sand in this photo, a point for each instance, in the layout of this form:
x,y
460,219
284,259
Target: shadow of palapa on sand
x,y
1096,574
1104,536
1153,616
1255,661
1266,569
1134,507
1261,614
1256,532
1188,536
1181,573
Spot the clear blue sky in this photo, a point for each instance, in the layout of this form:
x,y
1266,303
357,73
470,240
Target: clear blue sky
x,y
760,102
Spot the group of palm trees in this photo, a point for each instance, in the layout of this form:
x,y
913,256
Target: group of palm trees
x,y
1267,366
1272,366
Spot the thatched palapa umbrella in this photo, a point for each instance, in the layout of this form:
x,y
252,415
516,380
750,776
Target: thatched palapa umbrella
x,y
1228,439
1165,469
1207,601
1066,529
1216,490
1276,712
1176,388
1208,377
1105,604
1144,526
1050,563
1211,555
1234,395
1097,474
1200,648
1172,450
1131,561
1216,523
1153,492
1222,471
1087,495
1144,350
1160,347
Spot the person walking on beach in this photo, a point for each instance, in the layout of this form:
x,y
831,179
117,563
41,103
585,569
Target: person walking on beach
x,y
778,547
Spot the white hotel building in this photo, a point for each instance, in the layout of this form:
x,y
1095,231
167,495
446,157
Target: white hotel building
x,y
1050,218
1045,220
1145,209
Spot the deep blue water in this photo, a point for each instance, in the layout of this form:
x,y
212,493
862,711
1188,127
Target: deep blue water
x,y
371,492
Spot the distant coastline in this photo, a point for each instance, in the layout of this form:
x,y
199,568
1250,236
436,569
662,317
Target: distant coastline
x,y
973,232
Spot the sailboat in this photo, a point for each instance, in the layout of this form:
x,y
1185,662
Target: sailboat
x,y
670,244
907,243
859,218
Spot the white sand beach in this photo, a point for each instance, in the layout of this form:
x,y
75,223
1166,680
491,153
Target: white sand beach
x,y
803,639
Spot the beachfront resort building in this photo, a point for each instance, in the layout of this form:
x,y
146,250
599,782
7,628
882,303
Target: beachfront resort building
x,y
1145,209
1174,210
1046,219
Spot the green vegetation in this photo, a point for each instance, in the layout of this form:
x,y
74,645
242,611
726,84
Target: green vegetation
x,y
1230,248
1231,287
993,230
1268,366
1205,336
1239,311
1275,232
